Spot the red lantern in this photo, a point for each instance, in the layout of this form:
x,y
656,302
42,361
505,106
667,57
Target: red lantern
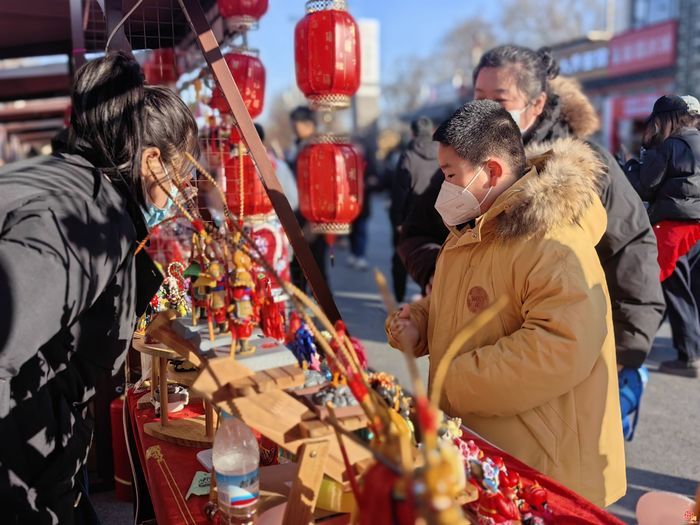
x,y
330,175
242,13
249,74
241,170
327,55
161,67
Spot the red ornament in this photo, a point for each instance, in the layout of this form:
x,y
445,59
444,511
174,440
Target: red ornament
x,y
497,507
271,313
330,182
249,74
385,498
270,240
327,54
255,199
242,13
536,496
161,67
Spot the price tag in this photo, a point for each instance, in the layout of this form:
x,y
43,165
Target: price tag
x,y
200,484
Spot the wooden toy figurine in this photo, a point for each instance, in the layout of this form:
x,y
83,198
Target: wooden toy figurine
x,y
241,311
218,298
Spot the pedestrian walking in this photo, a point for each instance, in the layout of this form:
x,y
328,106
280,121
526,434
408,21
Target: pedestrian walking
x,y
667,176
417,166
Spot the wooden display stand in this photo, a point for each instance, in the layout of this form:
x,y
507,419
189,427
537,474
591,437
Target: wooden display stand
x,y
189,432
259,400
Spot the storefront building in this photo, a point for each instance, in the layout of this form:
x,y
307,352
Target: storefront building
x,y
623,77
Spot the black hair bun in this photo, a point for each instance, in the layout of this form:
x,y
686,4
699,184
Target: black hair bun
x,y
549,63
124,69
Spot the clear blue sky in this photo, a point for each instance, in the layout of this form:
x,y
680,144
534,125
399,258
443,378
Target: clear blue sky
x,y
408,28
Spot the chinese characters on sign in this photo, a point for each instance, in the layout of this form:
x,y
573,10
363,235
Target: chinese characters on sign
x,y
643,50
584,61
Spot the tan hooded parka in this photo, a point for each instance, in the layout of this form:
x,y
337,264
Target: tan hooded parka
x,y
540,381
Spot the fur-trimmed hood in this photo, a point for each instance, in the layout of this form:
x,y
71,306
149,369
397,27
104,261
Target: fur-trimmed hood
x,y
568,113
566,181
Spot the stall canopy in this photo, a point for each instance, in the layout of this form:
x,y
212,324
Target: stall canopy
x,y
36,46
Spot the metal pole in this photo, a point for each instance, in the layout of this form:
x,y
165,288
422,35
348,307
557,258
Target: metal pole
x,y
212,54
77,35
112,10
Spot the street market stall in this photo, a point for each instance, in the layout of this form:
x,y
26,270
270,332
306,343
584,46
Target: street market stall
x,y
236,357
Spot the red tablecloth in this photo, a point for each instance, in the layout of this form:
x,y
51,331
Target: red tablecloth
x,y
182,463
568,507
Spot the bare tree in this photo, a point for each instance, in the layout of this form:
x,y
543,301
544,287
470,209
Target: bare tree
x,y
403,94
278,129
457,54
462,47
536,23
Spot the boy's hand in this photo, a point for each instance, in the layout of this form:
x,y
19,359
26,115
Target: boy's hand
x,y
404,330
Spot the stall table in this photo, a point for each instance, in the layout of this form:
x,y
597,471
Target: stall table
x,y
168,486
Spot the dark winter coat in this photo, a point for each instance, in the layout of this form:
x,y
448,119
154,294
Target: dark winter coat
x,y
627,251
669,178
70,292
416,167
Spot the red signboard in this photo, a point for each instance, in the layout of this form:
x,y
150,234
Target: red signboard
x,y
634,106
645,49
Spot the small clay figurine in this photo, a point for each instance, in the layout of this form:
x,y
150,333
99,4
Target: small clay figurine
x,y
535,496
271,313
494,507
508,482
304,348
174,289
242,311
199,283
218,297
490,475
295,323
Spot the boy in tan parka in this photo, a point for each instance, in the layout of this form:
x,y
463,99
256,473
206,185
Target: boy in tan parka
x,y
540,380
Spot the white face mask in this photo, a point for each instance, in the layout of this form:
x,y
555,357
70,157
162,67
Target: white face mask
x,y
457,205
516,114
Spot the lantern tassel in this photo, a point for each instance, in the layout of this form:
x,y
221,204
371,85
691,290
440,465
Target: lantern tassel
x,y
330,241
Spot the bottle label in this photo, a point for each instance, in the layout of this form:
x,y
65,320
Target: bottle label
x,y
241,491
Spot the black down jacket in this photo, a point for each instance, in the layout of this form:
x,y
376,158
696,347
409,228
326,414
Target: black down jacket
x,y
669,177
70,292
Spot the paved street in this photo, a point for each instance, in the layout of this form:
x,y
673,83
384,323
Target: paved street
x,y
664,455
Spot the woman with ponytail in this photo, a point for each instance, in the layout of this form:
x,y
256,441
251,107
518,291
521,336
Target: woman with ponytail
x,y
71,282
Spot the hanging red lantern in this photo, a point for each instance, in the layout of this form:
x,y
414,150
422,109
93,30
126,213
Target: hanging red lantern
x,y
330,179
327,54
249,74
245,193
161,67
242,13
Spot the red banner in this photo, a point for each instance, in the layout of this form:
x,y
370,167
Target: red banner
x,y
645,49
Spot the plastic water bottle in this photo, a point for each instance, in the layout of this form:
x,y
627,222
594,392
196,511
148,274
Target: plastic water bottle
x,y
236,460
